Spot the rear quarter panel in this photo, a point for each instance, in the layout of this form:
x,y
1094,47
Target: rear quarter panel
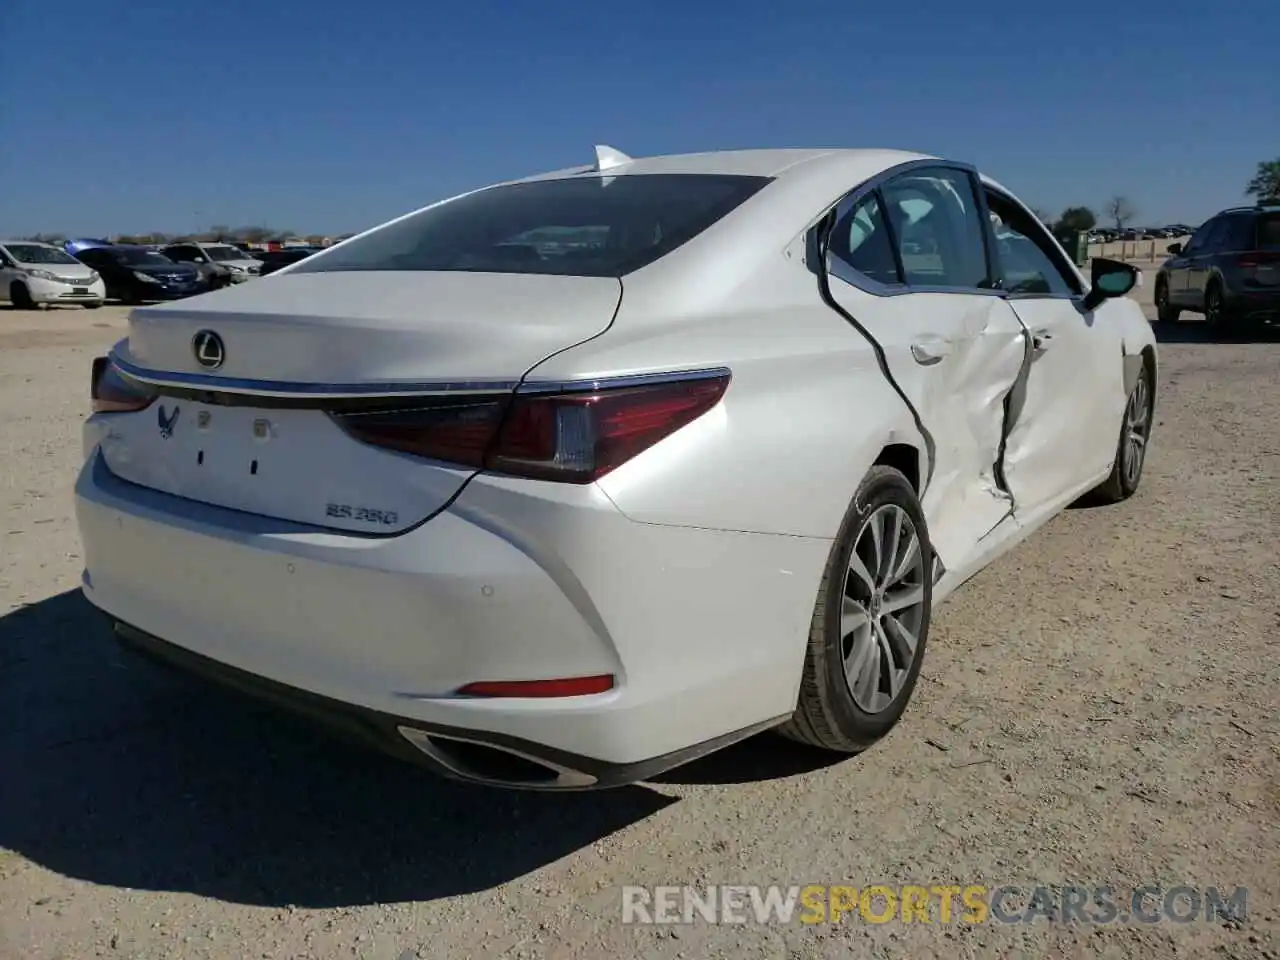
x,y
806,414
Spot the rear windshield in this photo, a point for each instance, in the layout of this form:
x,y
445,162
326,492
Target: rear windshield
x,y
1269,232
590,226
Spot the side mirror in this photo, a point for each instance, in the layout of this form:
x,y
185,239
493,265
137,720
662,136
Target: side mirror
x,y
1109,279
1175,248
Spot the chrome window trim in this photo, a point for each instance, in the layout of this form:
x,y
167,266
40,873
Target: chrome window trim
x,y
838,268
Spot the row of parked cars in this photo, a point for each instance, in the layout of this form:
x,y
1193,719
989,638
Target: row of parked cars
x,y
90,272
1141,233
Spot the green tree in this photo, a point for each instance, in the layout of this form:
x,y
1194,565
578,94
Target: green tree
x,y
1265,184
1077,218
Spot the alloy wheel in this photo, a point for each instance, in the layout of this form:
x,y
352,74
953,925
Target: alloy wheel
x,y
1213,305
883,608
1137,427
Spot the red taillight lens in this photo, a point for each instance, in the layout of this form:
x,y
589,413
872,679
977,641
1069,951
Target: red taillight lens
x,y
564,687
569,437
580,437
1259,258
112,392
456,432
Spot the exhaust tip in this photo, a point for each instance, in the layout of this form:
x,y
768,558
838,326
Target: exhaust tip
x,y
479,762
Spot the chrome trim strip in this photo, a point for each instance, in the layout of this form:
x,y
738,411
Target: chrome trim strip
x,y
287,388
393,388
627,380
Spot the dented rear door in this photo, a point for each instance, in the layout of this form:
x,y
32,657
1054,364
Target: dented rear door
x,y
907,263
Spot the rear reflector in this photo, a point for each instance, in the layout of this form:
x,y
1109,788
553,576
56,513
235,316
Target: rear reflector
x,y
111,392
572,437
565,687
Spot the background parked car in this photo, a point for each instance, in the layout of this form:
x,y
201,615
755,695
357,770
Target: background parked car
x,y
273,260
1229,270
35,273
218,262
136,274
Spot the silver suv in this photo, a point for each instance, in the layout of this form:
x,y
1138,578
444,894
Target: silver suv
x,y
218,262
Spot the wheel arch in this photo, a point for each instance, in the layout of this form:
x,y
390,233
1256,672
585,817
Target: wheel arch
x,y
904,458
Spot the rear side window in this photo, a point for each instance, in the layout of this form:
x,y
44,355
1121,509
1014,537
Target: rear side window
x,y
934,217
1269,232
861,240
1239,233
589,226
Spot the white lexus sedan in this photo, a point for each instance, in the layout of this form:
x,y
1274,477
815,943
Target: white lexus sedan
x,y
566,481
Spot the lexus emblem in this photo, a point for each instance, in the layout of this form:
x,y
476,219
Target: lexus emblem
x,y
209,349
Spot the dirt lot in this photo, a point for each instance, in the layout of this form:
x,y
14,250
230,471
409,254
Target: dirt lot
x,y
1098,708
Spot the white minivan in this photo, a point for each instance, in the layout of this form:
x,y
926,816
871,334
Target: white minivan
x,y
33,273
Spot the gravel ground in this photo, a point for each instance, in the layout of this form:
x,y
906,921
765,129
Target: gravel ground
x,y
1097,708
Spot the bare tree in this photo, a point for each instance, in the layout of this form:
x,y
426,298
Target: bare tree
x,y
1121,210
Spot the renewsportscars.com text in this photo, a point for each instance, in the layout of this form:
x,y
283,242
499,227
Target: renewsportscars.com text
x,y
937,903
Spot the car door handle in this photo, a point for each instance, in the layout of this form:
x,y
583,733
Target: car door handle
x,y
1041,340
928,352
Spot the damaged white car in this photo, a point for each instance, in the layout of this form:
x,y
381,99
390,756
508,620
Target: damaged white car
x,y
566,481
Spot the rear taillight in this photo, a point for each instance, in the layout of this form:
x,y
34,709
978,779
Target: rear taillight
x,y
572,437
1258,258
112,392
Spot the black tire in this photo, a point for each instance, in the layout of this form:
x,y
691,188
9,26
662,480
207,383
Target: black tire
x,y
1216,311
20,296
92,306
1165,313
1123,481
827,714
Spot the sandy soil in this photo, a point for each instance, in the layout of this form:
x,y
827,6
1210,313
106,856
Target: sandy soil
x,y
1097,708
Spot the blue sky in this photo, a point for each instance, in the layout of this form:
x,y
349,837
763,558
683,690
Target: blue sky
x,y
328,116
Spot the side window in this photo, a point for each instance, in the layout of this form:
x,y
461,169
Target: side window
x,y
1028,259
935,220
860,239
1240,234
1216,241
1197,242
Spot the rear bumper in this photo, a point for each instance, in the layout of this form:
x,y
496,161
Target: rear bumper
x,y
1257,305
704,630
453,752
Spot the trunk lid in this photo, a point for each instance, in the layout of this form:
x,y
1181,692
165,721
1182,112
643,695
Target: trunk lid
x,y
307,337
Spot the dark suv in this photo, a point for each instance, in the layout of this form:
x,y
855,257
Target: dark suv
x,y
1229,270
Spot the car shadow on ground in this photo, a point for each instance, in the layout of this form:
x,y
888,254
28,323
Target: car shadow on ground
x,y
1197,331
122,774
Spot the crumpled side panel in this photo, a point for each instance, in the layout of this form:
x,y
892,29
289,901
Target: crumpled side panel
x,y
962,402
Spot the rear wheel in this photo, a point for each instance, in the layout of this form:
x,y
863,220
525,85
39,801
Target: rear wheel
x,y
1131,452
871,620
1216,311
20,296
1165,312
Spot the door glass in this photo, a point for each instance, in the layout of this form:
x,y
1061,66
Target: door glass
x,y
1028,260
935,221
1198,238
1217,238
860,239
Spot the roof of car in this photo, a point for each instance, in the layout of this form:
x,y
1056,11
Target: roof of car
x,y
752,163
